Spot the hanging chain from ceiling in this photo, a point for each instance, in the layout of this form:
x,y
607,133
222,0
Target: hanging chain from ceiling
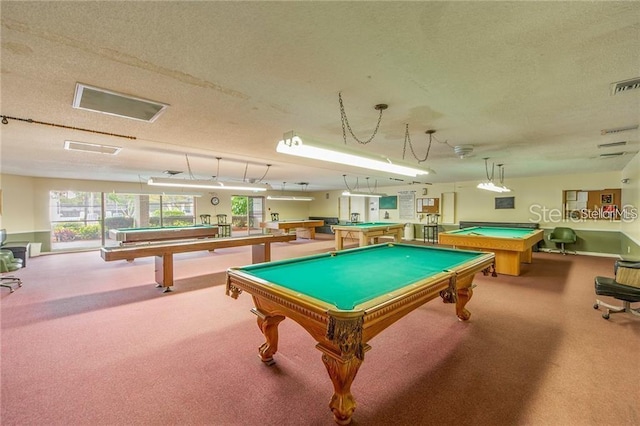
x,y
344,177
244,177
407,140
501,172
375,187
346,125
486,169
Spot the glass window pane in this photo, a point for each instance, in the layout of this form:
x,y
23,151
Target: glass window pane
x,y
75,220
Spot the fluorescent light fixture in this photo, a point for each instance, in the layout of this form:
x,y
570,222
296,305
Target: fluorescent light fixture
x,y
490,186
293,145
289,198
363,194
207,184
91,147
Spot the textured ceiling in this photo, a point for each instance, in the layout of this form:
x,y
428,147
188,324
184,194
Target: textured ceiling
x,y
526,83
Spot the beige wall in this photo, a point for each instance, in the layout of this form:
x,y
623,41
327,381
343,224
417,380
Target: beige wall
x,y
536,200
631,196
25,200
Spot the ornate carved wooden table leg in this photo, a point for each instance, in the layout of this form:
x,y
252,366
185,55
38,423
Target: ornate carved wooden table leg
x,y
459,292
342,372
268,324
464,295
342,360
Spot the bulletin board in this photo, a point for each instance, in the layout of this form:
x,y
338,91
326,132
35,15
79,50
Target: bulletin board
x,y
428,205
595,204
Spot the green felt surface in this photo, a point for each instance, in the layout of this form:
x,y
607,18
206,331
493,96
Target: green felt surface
x,y
495,232
354,276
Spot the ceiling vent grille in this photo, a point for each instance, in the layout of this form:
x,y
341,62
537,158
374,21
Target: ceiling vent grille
x,y
612,144
112,103
625,86
618,130
91,147
612,154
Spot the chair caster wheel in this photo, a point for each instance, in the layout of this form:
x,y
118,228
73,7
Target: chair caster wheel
x,y
605,316
596,306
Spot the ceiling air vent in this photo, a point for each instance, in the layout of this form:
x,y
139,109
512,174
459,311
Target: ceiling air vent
x,y
91,147
618,130
112,103
625,86
612,144
612,154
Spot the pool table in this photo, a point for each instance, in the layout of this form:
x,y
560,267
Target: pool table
x,y
303,228
145,235
366,232
343,299
511,246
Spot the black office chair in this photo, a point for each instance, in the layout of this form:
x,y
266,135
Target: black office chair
x,y
625,287
9,264
563,236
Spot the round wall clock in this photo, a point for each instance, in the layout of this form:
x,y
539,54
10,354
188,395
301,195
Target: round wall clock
x,y
215,201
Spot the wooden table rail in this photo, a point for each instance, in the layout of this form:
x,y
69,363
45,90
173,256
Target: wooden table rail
x,y
163,252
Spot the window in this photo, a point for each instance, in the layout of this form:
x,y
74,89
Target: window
x,y
79,221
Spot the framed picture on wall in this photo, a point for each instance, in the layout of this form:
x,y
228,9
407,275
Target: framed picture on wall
x,y
505,202
606,199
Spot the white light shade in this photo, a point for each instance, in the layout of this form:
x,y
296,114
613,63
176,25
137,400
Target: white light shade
x,y
295,146
490,186
206,184
362,194
289,198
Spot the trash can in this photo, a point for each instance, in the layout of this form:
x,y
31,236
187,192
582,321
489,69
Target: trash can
x,y
34,249
408,231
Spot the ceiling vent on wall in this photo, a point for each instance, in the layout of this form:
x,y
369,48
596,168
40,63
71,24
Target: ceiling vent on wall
x,y
612,144
113,103
91,147
625,86
618,130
